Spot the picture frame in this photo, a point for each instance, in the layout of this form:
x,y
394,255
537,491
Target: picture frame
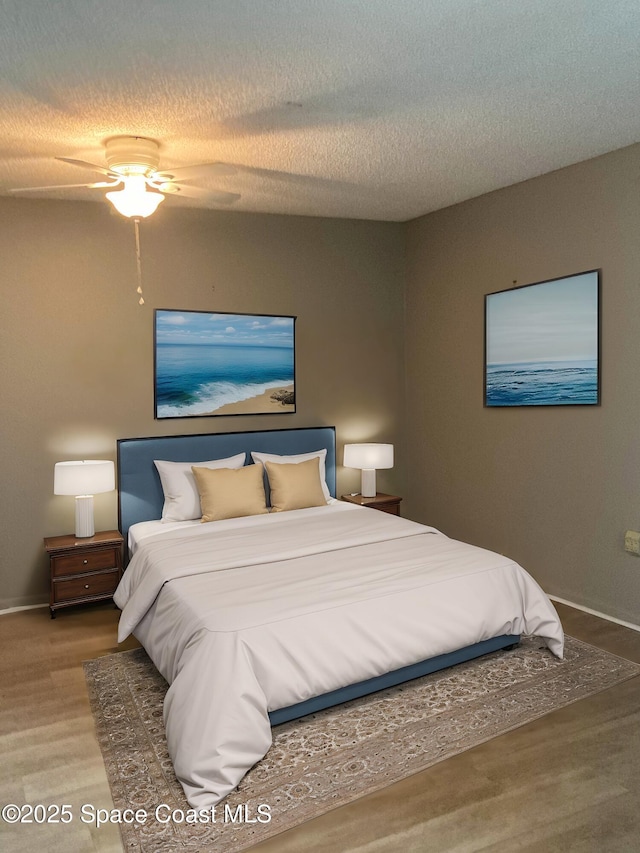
x,y
209,364
542,343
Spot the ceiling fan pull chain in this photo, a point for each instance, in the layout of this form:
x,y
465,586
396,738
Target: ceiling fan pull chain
x,y
136,224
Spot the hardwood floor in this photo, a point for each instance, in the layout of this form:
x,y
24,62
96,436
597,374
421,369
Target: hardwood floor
x,y
567,782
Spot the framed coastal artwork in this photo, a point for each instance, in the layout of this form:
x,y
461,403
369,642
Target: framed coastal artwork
x,y
542,343
223,364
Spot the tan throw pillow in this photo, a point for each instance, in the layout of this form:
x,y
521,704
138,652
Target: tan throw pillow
x,y
229,492
295,485
258,456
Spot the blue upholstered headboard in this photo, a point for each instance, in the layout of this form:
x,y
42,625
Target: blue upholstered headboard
x,y
140,496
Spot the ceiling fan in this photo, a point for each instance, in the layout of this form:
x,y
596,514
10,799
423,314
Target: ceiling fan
x,y
133,162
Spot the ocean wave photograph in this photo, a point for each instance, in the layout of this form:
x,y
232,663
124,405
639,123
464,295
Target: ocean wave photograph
x,y
542,343
223,364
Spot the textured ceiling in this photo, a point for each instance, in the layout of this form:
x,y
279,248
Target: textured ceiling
x,y
374,109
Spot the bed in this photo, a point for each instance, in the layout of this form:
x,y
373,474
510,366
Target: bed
x,y
261,619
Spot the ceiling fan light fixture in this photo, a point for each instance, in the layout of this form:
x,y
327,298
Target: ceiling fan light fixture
x,y
135,200
132,155
132,165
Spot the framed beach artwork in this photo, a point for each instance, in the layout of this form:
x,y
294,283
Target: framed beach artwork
x,y
223,364
542,343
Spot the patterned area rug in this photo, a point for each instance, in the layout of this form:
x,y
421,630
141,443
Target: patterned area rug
x,y
332,757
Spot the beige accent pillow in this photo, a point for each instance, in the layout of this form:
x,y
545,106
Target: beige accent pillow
x,y
230,492
295,485
258,456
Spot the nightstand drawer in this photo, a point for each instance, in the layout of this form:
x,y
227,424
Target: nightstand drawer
x,y
87,561
391,508
84,586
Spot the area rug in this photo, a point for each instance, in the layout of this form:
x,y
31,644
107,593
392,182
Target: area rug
x,y
335,756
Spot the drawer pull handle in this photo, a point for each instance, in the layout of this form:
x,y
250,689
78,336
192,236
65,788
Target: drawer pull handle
x,y
85,562
86,586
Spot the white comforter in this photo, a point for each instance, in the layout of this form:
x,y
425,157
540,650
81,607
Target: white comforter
x,y
250,615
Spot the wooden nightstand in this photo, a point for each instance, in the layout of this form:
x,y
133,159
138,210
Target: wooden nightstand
x,y
83,570
386,503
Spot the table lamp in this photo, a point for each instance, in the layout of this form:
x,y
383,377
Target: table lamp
x,y
368,457
84,479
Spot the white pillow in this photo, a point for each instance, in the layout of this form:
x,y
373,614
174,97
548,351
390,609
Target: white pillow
x,y
299,457
181,498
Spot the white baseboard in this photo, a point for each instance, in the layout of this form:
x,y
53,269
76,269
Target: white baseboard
x,y
595,613
25,607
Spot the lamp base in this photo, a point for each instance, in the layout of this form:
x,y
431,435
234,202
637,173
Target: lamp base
x,y
84,516
368,488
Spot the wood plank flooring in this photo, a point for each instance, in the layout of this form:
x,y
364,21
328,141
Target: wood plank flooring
x,y
567,782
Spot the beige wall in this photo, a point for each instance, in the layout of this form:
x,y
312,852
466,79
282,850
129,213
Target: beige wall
x,y
555,488
77,350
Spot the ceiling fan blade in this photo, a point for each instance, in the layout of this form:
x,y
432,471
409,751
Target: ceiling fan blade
x,y
217,196
64,187
84,165
184,173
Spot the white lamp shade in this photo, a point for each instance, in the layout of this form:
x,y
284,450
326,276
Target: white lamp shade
x,y
368,456
86,477
135,200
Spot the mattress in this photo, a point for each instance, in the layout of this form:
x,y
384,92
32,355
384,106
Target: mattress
x,y
246,616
